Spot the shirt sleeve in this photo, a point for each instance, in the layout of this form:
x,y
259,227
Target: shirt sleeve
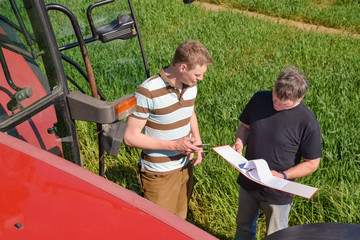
x,y
245,116
311,144
144,102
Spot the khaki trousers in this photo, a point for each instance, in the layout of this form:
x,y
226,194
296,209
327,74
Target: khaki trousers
x,y
171,190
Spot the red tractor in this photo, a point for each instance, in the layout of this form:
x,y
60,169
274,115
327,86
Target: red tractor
x,y
45,191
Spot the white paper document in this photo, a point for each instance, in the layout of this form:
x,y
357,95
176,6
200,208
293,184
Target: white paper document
x,y
258,171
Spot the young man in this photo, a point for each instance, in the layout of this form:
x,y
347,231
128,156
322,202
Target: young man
x,y
165,127
278,127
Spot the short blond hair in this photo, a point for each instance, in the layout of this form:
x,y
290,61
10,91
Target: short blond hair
x,y
192,53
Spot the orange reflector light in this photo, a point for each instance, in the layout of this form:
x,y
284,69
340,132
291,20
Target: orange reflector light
x,y
125,105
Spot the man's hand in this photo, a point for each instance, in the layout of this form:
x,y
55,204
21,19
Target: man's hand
x,y
184,146
188,146
238,146
199,153
277,174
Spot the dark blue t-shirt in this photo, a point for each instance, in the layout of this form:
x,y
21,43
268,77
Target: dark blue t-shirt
x,y
279,137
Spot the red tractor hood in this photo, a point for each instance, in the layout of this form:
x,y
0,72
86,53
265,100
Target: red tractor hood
x,y
46,197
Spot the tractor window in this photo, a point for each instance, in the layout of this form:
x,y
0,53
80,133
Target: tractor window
x,y
118,65
31,108
23,80
41,60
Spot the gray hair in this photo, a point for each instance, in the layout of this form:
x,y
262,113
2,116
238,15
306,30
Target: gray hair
x,y
291,84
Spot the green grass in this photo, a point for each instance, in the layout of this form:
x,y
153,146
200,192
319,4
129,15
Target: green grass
x,y
248,54
340,14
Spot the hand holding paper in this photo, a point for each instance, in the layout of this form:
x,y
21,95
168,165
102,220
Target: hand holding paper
x,y
258,171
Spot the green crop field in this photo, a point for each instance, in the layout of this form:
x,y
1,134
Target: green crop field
x,y
248,54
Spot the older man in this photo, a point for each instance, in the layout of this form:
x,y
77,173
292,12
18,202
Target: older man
x,y
278,127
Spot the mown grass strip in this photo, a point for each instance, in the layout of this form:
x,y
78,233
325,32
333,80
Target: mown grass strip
x,y
343,14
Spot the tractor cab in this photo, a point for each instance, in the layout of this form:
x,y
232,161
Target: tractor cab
x,y
40,95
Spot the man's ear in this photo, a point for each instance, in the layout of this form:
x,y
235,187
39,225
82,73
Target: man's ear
x,y
299,100
182,67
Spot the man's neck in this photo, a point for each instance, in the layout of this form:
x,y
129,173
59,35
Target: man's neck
x,y
172,75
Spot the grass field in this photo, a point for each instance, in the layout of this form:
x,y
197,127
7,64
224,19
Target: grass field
x,y
340,14
248,54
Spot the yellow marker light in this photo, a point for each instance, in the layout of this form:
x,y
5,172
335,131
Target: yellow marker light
x,y
125,107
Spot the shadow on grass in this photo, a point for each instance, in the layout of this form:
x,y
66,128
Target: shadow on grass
x,y
124,176
128,177
192,219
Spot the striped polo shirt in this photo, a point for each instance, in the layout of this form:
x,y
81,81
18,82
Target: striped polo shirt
x,y
168,114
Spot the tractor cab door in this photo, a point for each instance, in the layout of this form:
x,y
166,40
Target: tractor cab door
x,y
40,46
33,85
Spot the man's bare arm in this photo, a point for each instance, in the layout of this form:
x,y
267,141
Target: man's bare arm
x,y
134,137
302,169
241,137
196,135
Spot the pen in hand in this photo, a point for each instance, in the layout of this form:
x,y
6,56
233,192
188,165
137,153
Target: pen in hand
x,y
203,145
